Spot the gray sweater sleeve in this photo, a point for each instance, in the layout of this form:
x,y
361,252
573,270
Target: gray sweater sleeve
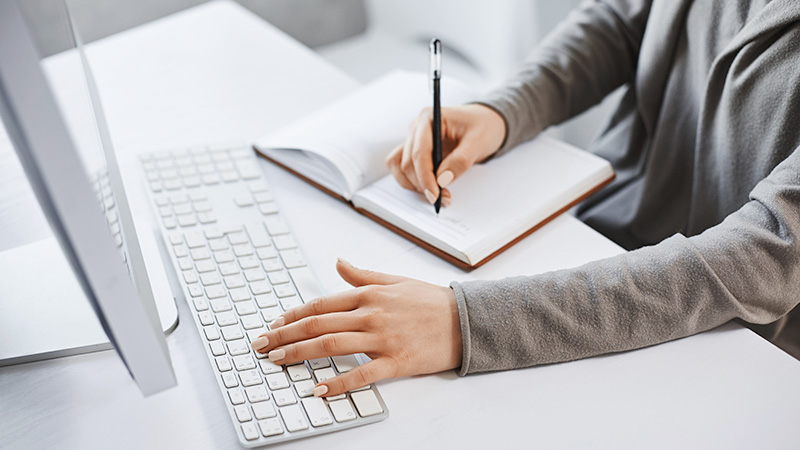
x,y
590,54
746,267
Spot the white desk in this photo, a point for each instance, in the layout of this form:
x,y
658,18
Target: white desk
x,y
217,73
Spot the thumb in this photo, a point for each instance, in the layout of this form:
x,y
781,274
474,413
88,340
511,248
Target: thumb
x,y
360,277
455,164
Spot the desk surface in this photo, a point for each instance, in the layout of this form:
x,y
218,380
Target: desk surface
x,y
217,73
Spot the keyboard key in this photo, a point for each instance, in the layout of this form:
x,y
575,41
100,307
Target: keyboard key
x,y
284,242
257,394
257,186
266,301
206,318
204,266
229,379
210,178
293,418
239,347
284,290
251,378
223,363
342,410
213,233
191,182
270,427
180,251
215,291
284,397
292,258
250,431
260,287
226,318
177,199
243,201
187,220
249,262
229,176
237,238
366,403
266,252
245,308
278,277
270,314
210,278
268,208
247,169
276,226
170,223
189,276
196,291
271,265
240,294
232,332
304,388
220,304
345,363
254,274
200,253
244,362
252,321
211,332
200,303
185,263
262,197
258,235
218,244
268,367
324,374
184,209
242,413
253,334
228,268
290,302
242,250
317,412
234,281
236,396
223,256
319,363
298,372
217,348
277,381
263,410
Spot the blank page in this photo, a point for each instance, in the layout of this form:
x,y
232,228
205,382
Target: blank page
x,y
493,203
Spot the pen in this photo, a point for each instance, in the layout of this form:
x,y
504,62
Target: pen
x,y
436,75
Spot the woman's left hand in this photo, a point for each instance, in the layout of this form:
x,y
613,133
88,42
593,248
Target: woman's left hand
x,y
406,326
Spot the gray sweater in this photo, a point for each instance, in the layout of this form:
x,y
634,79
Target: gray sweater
x,y
705,147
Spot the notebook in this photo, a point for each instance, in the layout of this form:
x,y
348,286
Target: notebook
x,y
341,149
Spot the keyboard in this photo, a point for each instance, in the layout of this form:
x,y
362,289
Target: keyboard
x,y
240,267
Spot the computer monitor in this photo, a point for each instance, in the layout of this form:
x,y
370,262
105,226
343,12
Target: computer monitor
x,y
68,178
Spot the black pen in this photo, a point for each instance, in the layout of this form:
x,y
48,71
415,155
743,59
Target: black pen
x,y
436,75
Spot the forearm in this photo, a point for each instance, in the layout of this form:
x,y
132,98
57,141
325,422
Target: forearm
x,y
591,53
747,267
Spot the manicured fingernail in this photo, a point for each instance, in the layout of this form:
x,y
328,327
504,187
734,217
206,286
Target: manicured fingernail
x,y
320,390
259,343
446,201
344,261
445,178
277,355
279,322
430,197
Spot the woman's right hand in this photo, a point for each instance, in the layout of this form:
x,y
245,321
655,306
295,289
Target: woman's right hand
x,y
470,134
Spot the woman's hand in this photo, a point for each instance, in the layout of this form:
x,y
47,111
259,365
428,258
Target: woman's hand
x,y
406,326
470,134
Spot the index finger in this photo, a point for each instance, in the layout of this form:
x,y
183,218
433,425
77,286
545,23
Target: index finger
x,y
422,158
339,302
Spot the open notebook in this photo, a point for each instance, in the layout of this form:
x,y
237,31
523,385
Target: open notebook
x,y
341,149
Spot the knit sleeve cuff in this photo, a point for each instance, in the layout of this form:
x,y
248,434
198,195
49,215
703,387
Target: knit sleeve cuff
x,y
465,335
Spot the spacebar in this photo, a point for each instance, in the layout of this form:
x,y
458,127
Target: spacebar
x,y
306,283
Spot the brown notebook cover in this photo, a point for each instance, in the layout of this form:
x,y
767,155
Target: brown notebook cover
x,y
446,256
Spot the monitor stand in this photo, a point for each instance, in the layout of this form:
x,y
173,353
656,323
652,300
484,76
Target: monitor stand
x,y
44,313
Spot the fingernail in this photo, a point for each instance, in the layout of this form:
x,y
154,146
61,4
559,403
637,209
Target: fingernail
x,y
445,178
259,343
430,197
279,322
446,201
344,261
320,390
277,355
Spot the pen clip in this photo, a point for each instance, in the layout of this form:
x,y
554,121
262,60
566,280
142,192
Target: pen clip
x,y
435,62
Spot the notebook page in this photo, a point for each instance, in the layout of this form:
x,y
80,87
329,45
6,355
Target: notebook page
x,y
357,132
493,203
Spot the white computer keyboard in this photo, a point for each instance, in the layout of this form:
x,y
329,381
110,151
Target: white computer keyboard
x,y
240,267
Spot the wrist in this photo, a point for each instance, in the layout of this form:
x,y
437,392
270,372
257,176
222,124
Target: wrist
x,y
493,126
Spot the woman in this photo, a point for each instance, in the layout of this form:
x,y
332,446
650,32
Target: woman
x,y
707,197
